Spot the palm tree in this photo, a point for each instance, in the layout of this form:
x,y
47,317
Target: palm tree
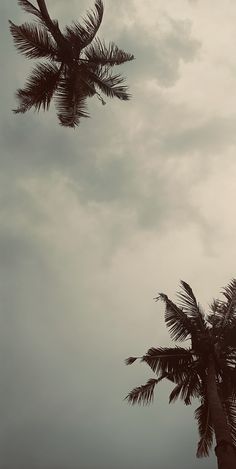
x,y
206,370
76,65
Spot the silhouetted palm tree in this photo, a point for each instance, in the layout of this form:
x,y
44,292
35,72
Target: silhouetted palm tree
x,y
206,370
78,65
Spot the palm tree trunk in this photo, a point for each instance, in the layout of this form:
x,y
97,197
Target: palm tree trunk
x,y
225,452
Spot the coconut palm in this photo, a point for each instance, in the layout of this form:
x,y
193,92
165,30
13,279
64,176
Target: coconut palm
x,y
76,64
206,370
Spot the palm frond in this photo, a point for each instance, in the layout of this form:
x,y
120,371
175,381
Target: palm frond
x,y
230,409
39,88
187,389
230,307
223,317
192,387
231,355
214,317
53,27
33,41
99,54
28,7
174,361
110,85
178,322
189,304
225,310
144,394
205,428
175,393
215,306
130,360
70,101
230,290
81,35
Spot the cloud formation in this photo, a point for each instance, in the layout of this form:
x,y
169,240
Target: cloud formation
x,y
95,222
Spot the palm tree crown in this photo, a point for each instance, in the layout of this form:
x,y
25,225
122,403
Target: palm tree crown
x,y
206,370
76,65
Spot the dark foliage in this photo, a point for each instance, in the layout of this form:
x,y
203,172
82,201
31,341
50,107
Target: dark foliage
x,y
213,335
205,429
78,65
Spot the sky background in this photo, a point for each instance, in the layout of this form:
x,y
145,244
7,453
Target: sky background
x,y
95,222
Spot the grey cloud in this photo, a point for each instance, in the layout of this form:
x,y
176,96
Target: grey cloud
x,y
117,179
113,179
175,46
211,135
159,53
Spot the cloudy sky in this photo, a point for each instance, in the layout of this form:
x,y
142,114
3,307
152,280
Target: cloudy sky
x,y
95,222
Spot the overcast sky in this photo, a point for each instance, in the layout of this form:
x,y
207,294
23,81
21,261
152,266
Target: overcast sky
x,y
95,222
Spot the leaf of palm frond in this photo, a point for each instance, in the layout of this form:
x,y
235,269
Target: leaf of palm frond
x,y
99,54
224,312
176,392
230,307
231,355
214,317
215,306
130,360
29,8
81,35
32,41
205,428
180,325
230,290
169,360
189,304
109,84
70,100
144,394
187,389
39,88
192,387
230,408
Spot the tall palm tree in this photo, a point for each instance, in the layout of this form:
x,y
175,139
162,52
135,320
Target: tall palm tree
x,y
206,370
76,65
